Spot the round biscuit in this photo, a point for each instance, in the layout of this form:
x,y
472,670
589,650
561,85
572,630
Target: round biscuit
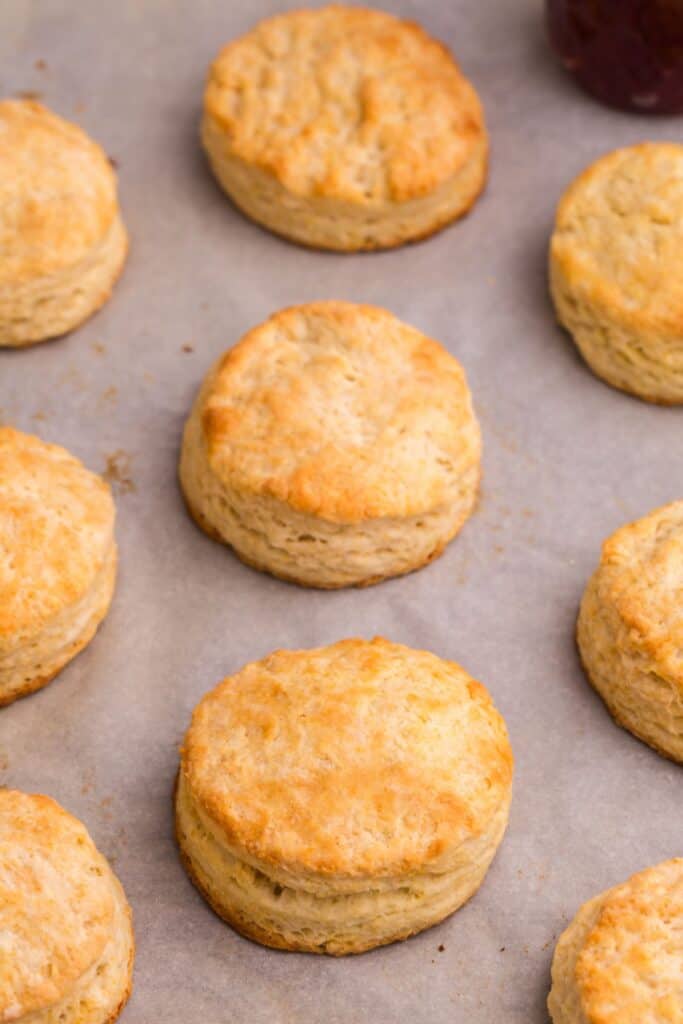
x,y
336,799
620,961
630,628
344,128
62,240
333,446
57,560
67,937
615,269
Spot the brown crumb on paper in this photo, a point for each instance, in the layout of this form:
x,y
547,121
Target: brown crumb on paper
x,y
188,348
114,162
98,348
29,94
118,472
40,65
109,395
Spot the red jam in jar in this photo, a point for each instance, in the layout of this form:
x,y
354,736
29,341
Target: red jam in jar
x,y
626,53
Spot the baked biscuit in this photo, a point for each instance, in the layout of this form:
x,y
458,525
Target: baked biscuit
x,y
616,261
334,445
62,240
67,935
344,128
620,961
341,798
57,560
630,628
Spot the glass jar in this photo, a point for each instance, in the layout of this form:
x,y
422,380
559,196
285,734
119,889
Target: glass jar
x,y
626,53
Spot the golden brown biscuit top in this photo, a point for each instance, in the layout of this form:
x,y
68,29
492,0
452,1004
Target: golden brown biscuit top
x,y
56,528
346,103
343,412
56,903
353,759
619,233
57,192
641,571
630,969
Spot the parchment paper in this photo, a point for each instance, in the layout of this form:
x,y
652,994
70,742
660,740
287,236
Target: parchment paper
x,y
567,460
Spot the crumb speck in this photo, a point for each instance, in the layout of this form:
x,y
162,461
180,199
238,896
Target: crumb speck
x,y
98,348
114,162
118,472
188,348
39,417
441,948
40,65
4,761
502,949
29,94
110,394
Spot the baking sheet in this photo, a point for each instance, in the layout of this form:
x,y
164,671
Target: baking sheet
x,y
567,460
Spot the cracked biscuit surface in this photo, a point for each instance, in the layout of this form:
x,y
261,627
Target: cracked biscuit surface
x,y
333,446
62,240
630,628
620,961
344,128
57,560
615,269
336,799
67,938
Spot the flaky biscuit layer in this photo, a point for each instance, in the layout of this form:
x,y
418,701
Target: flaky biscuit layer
x,y
332,446
287,916
344,128
615,269
630,628
620,961
339,798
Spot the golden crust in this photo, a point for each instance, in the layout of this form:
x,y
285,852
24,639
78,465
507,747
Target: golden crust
x,y
340,411
60,910
350,760
332,127
345,102
621,959
57,193
616,266
630,628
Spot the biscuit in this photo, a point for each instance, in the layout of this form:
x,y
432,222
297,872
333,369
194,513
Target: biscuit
x,y
57,560
62,240
620,961
344,128
630,628
67,934
333,446
616,260
337,799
